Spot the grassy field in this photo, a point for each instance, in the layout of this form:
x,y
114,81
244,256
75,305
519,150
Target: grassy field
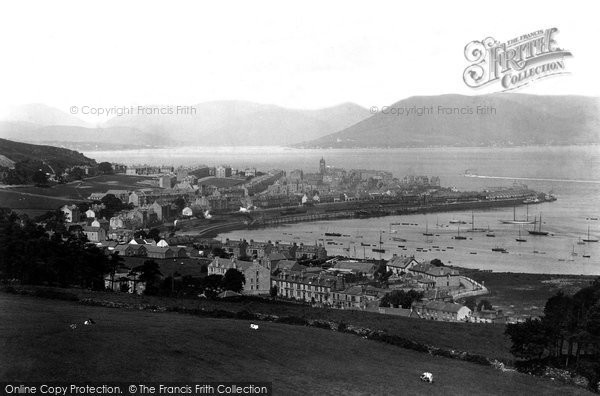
x,y
37,344
37,200
483,339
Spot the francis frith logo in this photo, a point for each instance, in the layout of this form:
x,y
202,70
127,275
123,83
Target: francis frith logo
x,y
516,62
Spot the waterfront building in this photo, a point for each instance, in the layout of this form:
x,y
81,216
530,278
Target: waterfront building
x,y
444,277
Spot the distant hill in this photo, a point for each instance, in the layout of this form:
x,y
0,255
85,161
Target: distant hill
x,y
237,123
81,137
519,119
224,123
58,158
43,115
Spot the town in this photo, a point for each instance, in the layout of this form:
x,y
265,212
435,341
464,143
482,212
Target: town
x,y
143,227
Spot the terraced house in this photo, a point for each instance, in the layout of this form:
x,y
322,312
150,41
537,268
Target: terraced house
x,y
309,287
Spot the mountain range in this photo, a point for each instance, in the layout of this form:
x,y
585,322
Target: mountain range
x,y
222,123
503,119
451,120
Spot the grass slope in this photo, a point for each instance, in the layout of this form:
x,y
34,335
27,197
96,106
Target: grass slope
x,y
37,344
57,157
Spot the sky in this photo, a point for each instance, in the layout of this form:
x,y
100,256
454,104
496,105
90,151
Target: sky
x,y
301,54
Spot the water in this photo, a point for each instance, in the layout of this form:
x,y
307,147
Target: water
x,y
572,173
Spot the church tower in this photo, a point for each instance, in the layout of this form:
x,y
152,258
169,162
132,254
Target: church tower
x,y
322,168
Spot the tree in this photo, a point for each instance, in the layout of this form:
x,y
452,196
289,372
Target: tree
x,y
529,339
154,233
141,233
105,168
401,299
211,285
39,178
233,280
115,263
150,273
484,305
471,303
112,204
180,203
437,262
76,173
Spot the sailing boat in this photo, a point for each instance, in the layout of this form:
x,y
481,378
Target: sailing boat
x,y
379,250
473,229
515,221
588,239
427,233
458,236
538,231
520,238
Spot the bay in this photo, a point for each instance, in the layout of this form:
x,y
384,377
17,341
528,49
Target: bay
x,y
572,173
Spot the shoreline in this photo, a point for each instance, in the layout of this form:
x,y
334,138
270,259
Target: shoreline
x,y
349,210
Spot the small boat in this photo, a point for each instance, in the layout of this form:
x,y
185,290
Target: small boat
x,y
378,250
498,249
585,255
398,239
472,252
454,221
333,234
588,239
520,238
364,244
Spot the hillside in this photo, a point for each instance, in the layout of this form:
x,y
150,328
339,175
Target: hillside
x,y
58,158
518,120
238,123
296,359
